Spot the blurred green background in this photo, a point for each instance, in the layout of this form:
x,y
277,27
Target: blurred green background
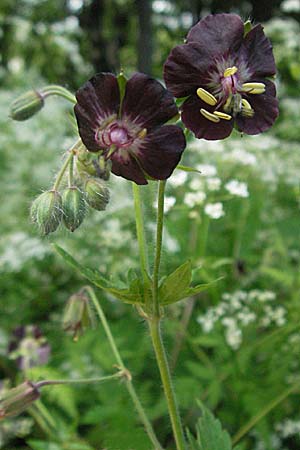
x,y
236,346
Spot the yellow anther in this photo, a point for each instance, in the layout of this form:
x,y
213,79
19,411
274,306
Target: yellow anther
x,y
209,116
254,88
246,104
222,115
230,71
207,97
142,133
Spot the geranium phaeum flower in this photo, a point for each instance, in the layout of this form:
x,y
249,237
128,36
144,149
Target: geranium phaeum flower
x,y
129,131
224,74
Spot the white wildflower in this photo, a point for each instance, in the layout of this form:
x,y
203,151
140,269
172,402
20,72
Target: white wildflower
x,y
169,203
178,178
192,199
238,188
214,210
207,170
213,183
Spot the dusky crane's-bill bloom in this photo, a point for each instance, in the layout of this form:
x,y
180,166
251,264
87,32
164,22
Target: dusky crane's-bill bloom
x,y
130,131
224,73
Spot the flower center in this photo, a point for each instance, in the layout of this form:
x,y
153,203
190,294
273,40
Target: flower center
x,y
229,88
119,136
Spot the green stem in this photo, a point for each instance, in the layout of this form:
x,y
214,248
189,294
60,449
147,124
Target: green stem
x,y
261,414
54,89
43,383
155,330
159,233
71,172
165,375
140,230
129,385
62,171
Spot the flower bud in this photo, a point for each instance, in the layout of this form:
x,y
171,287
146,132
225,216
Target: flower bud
x,y
74,207
78,315
46,211
26,105
97,194
18,399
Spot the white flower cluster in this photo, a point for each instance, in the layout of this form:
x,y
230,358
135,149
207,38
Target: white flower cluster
x,y
288,428
20,248
238,188
240,309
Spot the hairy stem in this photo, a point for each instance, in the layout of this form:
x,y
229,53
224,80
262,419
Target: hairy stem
x,y
155,330
141,412
54,89
140,230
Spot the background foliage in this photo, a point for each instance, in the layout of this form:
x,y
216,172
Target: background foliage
x,y
235,347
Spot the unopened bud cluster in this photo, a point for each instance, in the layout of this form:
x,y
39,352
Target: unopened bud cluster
x,y
69,205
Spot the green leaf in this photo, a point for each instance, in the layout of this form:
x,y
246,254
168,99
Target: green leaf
x,y
174,286
43,445
135,294
210,435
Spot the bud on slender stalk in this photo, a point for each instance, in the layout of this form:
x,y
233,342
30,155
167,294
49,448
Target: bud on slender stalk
x,y
74,207
97,194
78,315
26,105
46,211
18,399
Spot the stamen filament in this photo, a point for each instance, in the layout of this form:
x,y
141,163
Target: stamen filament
x,y
227,104
209,116
222,115
207,97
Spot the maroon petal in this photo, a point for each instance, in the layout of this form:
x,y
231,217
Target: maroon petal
x,y
219,34
265,111
146,102
97,99
257,51
125,165
161,151
202,127
185,69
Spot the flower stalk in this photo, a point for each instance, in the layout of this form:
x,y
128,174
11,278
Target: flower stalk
x,y
128,381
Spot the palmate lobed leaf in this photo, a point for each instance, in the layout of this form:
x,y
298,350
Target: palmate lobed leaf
x,y
176,286
210,435
135,294
173,288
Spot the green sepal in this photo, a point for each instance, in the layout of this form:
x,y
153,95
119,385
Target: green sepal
x,y
122,80
187,169
136,293
247,27
180,100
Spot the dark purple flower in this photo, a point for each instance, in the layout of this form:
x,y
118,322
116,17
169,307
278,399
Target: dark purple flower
x,y
129,131
28,347
224,75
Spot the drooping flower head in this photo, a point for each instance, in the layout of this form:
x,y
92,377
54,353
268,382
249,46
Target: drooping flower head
x,y
130,131
224,70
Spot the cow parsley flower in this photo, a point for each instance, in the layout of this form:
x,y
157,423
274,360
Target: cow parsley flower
x,y
224,73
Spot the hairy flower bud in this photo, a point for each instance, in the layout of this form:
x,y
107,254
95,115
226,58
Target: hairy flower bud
x,y
26,105
78,315
74,207
46,211
97,194
18,399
